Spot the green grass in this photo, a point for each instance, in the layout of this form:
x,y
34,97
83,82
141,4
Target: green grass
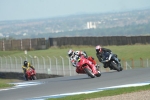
x,y
123,52
104,93
4,83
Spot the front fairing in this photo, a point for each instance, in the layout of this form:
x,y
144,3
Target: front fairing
x,y
115,59
30,72
105,56
81,62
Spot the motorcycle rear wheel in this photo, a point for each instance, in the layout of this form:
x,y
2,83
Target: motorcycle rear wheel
x,y
98,74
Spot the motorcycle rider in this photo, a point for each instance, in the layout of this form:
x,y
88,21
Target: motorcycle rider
x,y
25,66
73,55
100,53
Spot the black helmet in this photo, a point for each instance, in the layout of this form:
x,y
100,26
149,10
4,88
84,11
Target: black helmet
x,y
25,63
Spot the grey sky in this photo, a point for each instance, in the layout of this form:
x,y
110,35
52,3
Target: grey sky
x,y
30,9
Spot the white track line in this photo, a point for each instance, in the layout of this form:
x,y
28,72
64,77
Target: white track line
x,y
89,91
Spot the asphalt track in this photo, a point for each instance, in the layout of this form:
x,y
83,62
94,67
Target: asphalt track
x,y
71,84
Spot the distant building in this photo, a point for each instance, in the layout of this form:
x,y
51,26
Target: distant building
x,y
91,25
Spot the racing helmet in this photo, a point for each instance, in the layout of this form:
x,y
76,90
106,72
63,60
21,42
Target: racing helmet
x,y
25,63
98,49
70,52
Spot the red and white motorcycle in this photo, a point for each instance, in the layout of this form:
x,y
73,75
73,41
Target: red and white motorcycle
x,y
87,66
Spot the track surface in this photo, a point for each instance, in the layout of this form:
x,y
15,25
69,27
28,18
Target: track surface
x,y
79,83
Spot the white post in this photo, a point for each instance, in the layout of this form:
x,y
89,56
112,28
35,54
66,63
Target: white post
x,y
21,61
31,59
126,65
49,63
69,65
63,65
10,63
16,63
34,64
56,64
6,63
37,61
43,61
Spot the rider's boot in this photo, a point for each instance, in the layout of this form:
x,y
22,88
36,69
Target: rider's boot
x,y
97,66
26,77
105,65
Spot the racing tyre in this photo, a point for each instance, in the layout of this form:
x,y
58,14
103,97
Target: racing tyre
x,y
115,66
98,74
89,72
121,68
34,77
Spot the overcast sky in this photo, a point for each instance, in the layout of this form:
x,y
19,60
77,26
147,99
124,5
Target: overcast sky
x,y
31,9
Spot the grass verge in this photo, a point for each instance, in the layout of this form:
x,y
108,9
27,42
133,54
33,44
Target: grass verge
x,y
4,83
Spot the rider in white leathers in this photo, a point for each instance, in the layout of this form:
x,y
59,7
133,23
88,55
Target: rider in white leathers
x,y
74,55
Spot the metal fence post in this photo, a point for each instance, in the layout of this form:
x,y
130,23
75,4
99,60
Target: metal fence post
x,y
31,59
56,64
141,61
21,61
38,62
127,65
50,63
6,63
10,63
16,63
63,65
43,61
69,65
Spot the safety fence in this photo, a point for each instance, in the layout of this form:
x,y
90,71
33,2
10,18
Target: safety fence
x,y
58,65
42,43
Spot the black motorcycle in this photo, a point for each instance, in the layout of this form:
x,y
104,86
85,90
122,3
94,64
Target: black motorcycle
x,y
112,61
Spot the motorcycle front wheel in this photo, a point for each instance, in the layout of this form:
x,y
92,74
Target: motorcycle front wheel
x,y
115,66
34,77
89,72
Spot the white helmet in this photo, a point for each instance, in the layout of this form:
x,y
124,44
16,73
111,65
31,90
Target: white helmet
x,y
70,52
98,48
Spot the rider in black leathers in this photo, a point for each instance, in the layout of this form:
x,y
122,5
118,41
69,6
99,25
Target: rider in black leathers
x,y
100,53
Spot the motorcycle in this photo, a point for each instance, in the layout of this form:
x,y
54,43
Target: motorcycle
x,y
31,74
88,67
112,61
